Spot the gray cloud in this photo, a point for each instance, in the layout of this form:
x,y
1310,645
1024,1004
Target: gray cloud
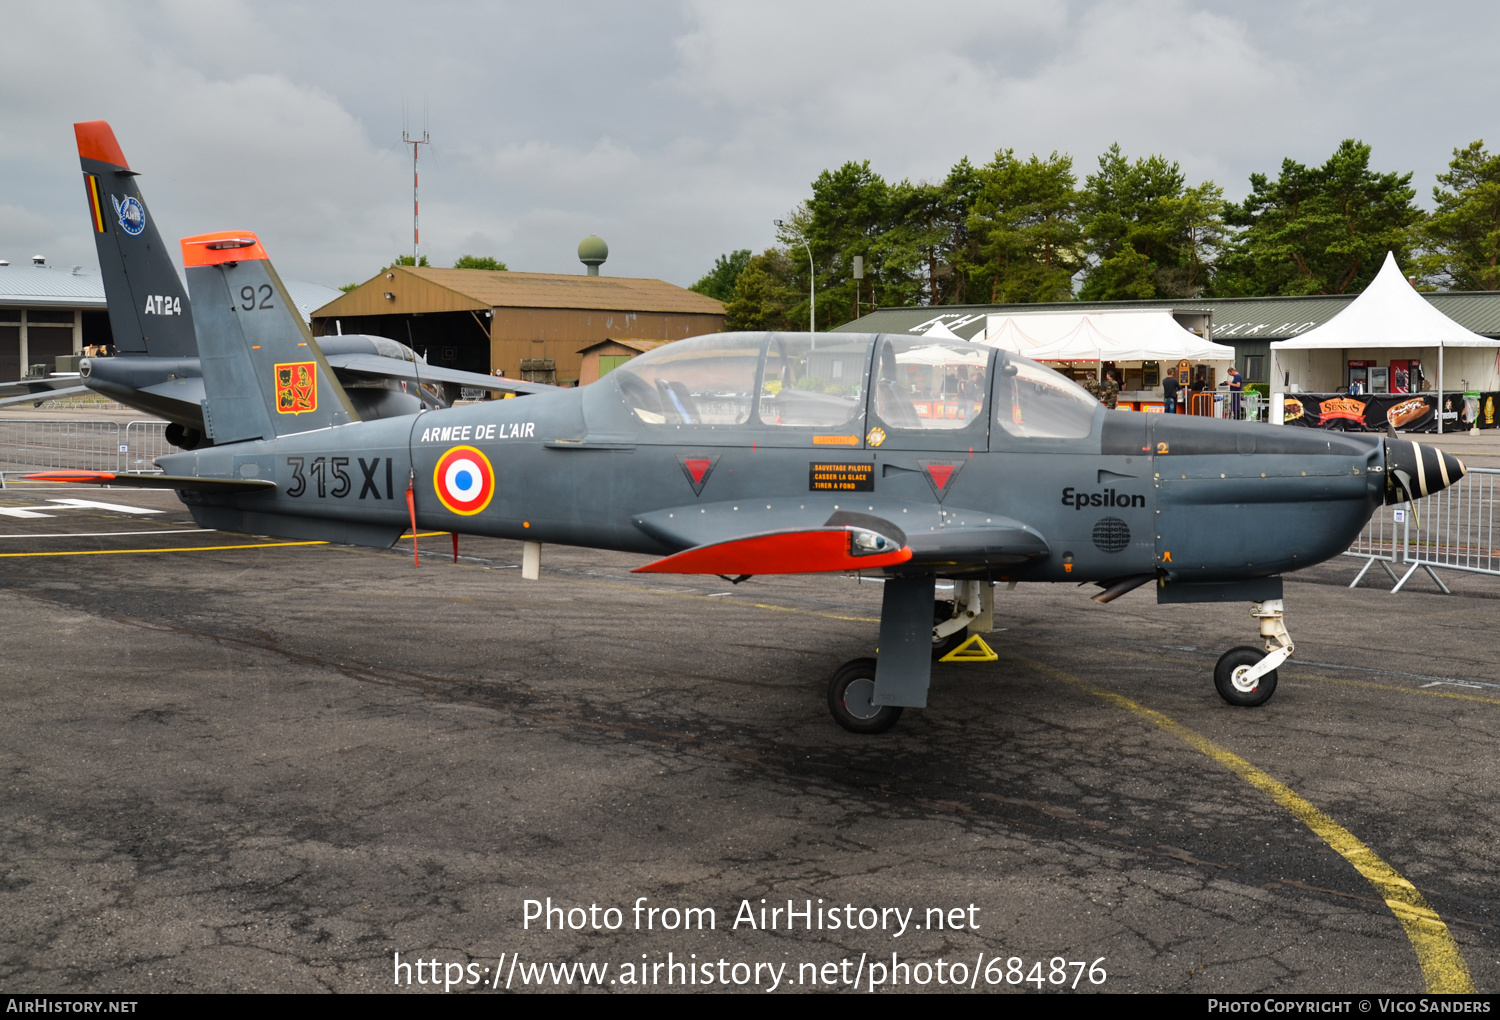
x,y
677,131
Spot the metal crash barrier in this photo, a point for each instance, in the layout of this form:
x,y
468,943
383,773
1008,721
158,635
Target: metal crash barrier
x,y
1453,529
29,445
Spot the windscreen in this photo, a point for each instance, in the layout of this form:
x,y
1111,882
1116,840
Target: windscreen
x,y
1039,402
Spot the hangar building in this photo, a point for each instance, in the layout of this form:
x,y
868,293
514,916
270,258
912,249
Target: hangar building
x,y
47,313
529,325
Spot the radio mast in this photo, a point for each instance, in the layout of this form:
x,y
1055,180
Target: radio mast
x,y
408,139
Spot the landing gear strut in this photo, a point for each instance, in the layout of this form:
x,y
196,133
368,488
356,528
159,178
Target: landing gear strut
x,y
1246,676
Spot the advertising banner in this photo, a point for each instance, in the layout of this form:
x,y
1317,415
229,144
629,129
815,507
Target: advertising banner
x,y
1375,412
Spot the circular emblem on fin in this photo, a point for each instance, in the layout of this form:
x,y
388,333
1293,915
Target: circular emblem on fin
x,y
132,215
875,437
464,480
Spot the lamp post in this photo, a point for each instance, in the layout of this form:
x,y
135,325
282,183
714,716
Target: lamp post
x,y
812,283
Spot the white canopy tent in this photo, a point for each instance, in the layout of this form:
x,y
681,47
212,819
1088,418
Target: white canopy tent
x,y
1390,320
1101,336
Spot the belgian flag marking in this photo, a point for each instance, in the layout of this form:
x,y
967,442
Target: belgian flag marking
x,y
96,206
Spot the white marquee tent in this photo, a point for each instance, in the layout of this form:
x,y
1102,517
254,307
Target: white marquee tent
x,y
1390,320
1101,336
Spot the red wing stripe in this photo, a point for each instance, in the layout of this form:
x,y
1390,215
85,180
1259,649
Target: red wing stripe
x,y
71,476
796,552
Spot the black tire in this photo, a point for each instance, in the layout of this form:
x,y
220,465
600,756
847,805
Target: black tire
x,y
862,717
1237,659
942,646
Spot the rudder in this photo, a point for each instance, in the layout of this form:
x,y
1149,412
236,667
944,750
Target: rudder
x,y
262,374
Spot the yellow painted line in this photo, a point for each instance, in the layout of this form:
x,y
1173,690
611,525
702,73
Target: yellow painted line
x,y
187,548
425,534
1443,967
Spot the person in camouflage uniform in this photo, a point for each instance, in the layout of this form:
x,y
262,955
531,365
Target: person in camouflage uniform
x,y
1091,383
1111,390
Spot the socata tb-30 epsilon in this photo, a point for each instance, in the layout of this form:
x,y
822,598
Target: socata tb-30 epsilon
x,y
740,454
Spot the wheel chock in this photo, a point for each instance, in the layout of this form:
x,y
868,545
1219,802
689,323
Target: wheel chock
x,y
972,650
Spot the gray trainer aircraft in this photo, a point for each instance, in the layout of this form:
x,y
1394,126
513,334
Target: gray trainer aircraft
x,y
740,454
157,369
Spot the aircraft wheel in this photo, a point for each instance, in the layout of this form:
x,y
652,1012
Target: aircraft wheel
x,y
850,695
1232,665
942,646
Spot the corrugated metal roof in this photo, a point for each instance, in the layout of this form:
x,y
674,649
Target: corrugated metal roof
x,y
1261,319
49,286
494,289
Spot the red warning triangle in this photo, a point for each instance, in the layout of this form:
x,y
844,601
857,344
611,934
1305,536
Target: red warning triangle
x,y
697,471
940,475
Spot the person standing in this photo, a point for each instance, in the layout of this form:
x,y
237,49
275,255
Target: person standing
x,y
1091,383
1236,387
1111,390
1169,388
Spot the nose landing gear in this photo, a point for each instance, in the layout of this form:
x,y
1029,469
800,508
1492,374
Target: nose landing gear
x,y
1246,676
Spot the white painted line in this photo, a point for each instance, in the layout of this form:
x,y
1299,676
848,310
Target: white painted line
x,y
90,504
108,534
1457,683
15,511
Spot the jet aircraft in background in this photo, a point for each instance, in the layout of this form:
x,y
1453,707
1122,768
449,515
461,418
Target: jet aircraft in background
x,y
156,368
740,454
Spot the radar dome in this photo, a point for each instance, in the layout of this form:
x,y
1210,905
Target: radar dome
x,y
592,251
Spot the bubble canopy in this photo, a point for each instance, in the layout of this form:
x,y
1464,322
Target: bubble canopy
x,y
841,382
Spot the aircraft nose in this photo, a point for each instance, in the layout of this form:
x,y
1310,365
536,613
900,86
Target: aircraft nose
x,y
1417,469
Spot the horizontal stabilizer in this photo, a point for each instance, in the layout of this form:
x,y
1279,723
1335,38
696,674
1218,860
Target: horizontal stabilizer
x,y
375,366
812,551
153,481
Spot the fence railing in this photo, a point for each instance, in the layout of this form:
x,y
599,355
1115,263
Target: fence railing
x,y
31,445
1453,529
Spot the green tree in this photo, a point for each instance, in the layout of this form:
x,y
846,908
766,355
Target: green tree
x,y
1318,230
1461,241
1148,233
1024,224
718,282
478,262
346,288
407,260
766,294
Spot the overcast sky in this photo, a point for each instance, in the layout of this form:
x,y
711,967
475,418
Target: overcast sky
x,y
679,130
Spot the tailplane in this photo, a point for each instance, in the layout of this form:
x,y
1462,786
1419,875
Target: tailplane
x,y
262,374
149,312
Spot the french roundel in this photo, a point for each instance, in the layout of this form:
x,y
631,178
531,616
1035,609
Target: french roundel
x,y
464,480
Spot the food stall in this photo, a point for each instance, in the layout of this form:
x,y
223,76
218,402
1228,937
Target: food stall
x,y
1390,359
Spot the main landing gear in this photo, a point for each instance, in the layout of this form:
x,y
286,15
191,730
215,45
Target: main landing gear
x,y
1246,676
868,695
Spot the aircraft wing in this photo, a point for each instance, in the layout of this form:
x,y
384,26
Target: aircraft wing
x,y
745,538
374,365
8,394
153,481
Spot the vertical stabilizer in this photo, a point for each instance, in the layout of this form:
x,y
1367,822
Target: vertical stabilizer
x,y
149,311
262,374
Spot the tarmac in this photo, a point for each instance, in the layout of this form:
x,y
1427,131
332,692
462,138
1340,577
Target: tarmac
x,y
231,763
